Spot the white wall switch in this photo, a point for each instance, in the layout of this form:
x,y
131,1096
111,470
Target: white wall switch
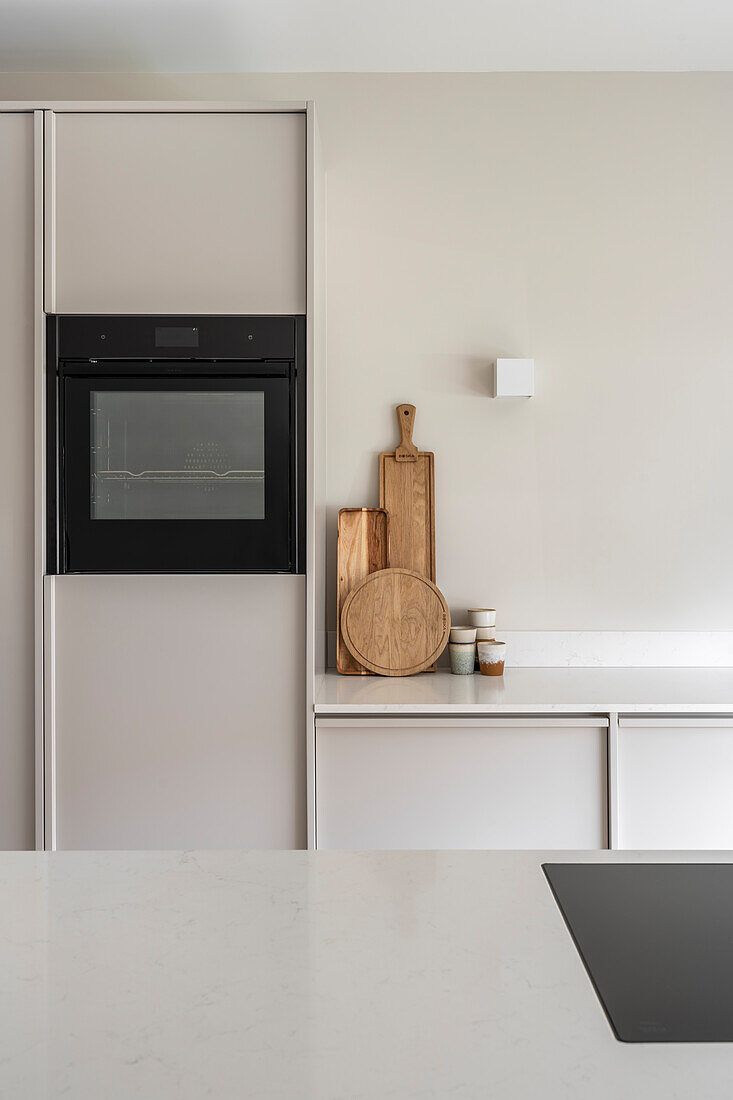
x,y
514,378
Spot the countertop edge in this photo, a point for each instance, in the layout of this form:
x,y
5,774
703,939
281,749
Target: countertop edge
x,y
705,692
487,710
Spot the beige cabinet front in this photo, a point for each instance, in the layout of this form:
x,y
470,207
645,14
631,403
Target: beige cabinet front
x,y
675,778
178,711
16,486
178,213
473,783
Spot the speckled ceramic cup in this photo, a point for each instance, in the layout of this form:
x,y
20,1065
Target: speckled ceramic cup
x,y
461,657
463,633
491,657
482,616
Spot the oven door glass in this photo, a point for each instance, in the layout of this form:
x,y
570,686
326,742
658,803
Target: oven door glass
x,y
186,473
186,454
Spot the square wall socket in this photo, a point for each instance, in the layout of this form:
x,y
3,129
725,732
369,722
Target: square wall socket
x,y
513,378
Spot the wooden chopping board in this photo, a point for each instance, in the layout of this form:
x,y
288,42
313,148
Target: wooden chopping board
x,y
362,549
396,622
407,491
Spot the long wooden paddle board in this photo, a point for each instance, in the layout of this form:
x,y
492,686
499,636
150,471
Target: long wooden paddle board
x,y
362,549
407,492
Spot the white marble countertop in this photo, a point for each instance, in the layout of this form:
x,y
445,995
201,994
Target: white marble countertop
x,y
312,975
532,691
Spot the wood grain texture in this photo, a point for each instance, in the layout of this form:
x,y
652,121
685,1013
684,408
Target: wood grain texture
x,y
396,622
362,549
407,492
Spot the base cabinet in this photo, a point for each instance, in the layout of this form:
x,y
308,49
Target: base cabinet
x,y
675,778
474,783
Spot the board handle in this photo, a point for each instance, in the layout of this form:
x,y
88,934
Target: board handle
x,y
406,451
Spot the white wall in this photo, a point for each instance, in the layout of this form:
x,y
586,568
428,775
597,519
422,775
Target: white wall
x,y
585,220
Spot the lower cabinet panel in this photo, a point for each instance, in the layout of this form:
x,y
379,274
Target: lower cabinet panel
x,y
473,783
675,778
179,712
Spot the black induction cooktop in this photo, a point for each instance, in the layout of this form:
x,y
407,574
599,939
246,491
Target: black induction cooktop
x,y
657,943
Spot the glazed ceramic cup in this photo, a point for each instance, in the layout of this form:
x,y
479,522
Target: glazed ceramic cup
x,y
484,634
482,616
463,633
491,658
461,657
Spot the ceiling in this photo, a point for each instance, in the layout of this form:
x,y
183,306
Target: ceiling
x,y
364,35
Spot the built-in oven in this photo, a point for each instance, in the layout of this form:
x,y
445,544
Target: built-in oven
x,y
176,444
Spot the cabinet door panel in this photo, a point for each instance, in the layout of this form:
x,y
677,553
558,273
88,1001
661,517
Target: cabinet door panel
x,y
509,783
177,722
16,487
674,781
176,213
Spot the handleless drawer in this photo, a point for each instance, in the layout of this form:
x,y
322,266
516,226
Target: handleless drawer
x,y
461,783
675,777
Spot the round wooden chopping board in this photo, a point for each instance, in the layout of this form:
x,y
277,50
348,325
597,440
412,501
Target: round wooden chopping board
x,y
396,622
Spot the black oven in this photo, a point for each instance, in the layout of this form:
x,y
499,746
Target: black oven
x,y
176,444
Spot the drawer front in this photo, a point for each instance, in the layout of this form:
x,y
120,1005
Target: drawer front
x,y
675,778
508,783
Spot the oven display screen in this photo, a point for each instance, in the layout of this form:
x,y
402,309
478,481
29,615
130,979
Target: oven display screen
x,y
176,337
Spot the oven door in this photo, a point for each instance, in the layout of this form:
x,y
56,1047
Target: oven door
x,y
177,474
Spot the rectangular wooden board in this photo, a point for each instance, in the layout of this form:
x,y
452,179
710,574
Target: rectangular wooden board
x,y
407,492
362,549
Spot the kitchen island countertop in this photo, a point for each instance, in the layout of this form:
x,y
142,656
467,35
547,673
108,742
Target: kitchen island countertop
x,y
312,975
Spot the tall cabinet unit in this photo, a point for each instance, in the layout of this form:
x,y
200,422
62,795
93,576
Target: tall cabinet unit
x,y
177,705
17,300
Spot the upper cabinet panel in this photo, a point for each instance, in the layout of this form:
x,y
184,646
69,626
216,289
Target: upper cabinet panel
x,y
176,213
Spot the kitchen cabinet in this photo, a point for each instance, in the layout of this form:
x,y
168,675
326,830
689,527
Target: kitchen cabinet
x,y
17,312
180,213
178,706
675,778
461,783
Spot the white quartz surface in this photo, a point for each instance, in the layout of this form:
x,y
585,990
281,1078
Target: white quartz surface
x,y
532,691
311,975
